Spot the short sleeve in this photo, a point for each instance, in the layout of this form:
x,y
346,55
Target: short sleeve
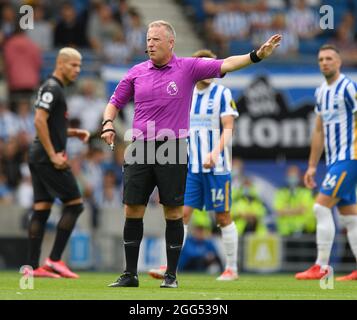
x,y
205,68
123,92
317,107
351,96
46,98
228,106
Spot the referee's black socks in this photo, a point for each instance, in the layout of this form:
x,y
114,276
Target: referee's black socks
x,y
133,234
174,239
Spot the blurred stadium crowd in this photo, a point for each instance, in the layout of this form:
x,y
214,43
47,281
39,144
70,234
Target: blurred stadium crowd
x,y
237,26
113,32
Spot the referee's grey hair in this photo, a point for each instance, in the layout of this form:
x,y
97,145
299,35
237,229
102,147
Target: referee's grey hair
x,y
162,23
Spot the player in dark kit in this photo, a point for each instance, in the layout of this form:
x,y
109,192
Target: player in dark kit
x,y
51,175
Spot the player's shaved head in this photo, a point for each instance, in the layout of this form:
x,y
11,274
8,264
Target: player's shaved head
x,y
68,64
67,53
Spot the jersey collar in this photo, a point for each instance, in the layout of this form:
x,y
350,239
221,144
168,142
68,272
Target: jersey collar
x,y
205,89
58,80
341,77
168,65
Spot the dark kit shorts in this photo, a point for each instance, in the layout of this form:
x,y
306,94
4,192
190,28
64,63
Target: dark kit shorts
x,y
155,163
50,183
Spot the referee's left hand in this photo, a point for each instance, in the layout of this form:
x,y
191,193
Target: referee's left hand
x,y
269,46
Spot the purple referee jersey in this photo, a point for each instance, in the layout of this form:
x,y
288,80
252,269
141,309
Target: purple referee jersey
x,y
162,96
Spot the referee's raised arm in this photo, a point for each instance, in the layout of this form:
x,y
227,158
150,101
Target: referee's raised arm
x,y
234,63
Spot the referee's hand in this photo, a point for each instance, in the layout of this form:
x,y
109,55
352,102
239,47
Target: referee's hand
x,y
269,46
108,136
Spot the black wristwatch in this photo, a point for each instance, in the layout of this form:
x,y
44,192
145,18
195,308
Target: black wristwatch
x,y
104,122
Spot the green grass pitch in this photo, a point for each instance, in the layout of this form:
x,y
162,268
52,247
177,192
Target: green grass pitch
x,y
93,285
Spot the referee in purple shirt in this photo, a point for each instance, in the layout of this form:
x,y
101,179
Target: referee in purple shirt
x,y
162,89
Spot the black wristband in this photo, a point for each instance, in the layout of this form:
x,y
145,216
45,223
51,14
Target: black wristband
x,y
107,130
106,121
254,57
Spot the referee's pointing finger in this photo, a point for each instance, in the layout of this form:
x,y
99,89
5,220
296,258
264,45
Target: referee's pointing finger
x,y
108,137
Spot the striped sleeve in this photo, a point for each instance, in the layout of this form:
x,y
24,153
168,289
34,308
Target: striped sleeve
x,y
351,96
317,108
228,106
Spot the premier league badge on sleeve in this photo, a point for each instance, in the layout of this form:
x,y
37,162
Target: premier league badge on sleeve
x,y
233,105
47,97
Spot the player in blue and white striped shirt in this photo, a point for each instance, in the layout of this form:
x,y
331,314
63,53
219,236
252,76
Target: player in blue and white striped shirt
x,y
208,183
336,131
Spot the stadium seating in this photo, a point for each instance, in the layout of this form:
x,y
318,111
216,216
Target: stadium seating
x,y
197,9
240,46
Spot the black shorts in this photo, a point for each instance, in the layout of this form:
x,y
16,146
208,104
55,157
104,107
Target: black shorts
x,y
140,178
50,183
